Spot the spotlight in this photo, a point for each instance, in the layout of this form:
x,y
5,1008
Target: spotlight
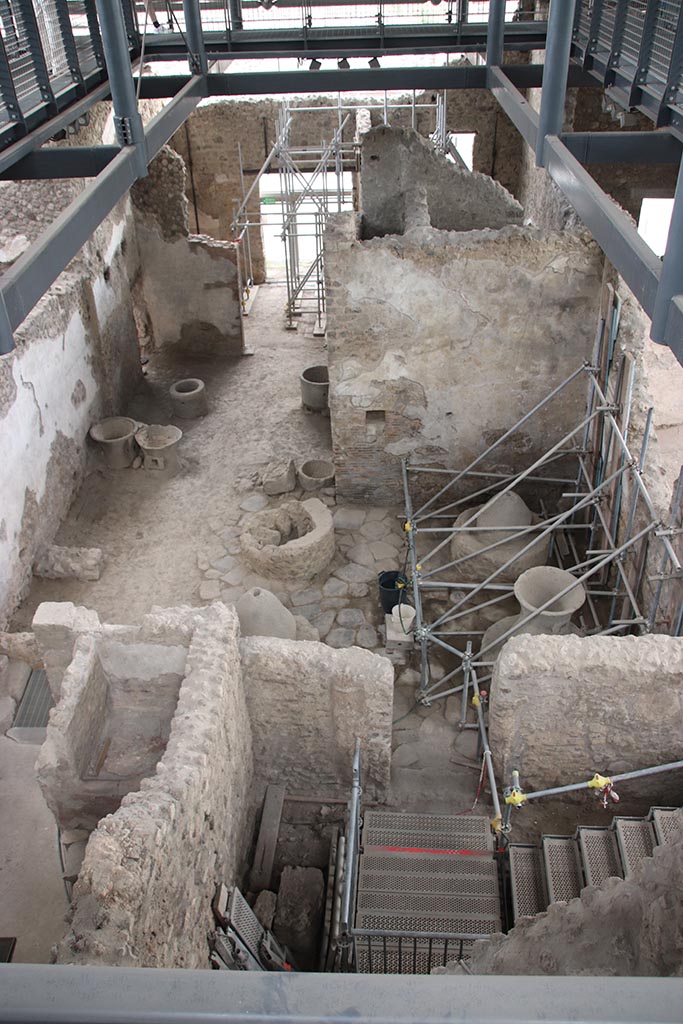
x,y
343,64
374,63
314,65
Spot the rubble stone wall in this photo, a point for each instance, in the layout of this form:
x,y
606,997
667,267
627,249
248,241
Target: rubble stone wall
x,y
143,896
308,703
565,707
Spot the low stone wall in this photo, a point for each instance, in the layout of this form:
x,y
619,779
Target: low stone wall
x,y
624,928
564,707
307,704
143,896
110,726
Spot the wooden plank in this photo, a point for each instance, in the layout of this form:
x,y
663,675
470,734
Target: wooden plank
x,y
262,868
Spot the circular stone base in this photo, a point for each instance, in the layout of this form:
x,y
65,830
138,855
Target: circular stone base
x,y
294,541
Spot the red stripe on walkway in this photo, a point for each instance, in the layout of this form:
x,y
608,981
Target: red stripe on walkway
x,y
420,849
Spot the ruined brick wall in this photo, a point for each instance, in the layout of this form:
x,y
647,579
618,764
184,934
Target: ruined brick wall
x,y
438,342
143,896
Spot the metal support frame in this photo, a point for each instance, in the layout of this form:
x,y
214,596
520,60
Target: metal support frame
x,y
127,118
495,35
30,276
554,89
195,39
593,538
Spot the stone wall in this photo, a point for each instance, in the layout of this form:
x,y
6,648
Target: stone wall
x,y
307,704
623,928
143,896
565,707
110,726
208,143
76,360
189,283
395,160
438,342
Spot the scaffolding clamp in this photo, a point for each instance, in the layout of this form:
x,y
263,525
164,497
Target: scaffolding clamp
x,y
605,789
515,797
407,526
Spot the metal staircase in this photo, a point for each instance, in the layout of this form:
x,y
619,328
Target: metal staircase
x,y
559,868
427,889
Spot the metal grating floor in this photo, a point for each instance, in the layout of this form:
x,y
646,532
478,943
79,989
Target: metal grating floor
x,y
666,821
526,878
636,838
245,922
599,854
427,831
562,870
34,707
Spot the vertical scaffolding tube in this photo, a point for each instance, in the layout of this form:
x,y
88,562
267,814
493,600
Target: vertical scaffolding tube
x,y
495,35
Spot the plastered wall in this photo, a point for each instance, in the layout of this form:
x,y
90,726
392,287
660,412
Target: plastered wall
x,y
438,342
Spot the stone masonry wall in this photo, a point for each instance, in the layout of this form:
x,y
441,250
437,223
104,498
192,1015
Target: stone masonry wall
x,y
395,160
208,143
565,707
189,282
623,928
438,342
143,896
307,704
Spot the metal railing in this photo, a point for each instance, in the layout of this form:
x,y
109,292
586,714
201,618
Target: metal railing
x,y
636,48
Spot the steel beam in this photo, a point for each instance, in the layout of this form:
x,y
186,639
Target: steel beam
x,y
50,128
522,115
554,89
623,147
127,118
612,229
30,276
671,280
61,162
495,36
195,40
673,335
523,76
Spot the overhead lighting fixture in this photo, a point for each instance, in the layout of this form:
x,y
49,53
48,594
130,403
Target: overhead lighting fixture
x,y
314,65
343,64
374,63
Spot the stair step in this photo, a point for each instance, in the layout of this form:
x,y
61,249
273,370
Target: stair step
x,y
562,868
667,824
526,876
426,832
383,871
636,839
599,854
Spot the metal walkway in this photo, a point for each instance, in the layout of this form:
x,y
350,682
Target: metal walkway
x,y
427,889
561,866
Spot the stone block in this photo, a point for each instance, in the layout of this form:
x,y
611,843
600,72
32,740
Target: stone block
x,y
305,630
299,909
349,518
354,573
265,908
60,563
209,590
57,625
350,617
280,476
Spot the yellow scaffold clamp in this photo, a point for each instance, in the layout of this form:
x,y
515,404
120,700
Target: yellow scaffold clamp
x,y
605,790
599,782
516,797
496,823
407,526
476,701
